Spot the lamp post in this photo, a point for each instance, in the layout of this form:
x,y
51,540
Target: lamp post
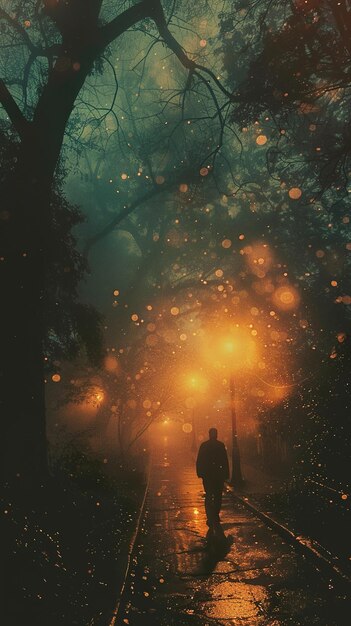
x,y
237,347
237,477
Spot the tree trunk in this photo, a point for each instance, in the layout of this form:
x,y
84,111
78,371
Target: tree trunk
x,y
25,253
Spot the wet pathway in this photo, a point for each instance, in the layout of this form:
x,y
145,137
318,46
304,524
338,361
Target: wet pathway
x,y
249,578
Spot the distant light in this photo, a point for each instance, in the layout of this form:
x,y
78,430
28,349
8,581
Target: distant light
x,y
56,378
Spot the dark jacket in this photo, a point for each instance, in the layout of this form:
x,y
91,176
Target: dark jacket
x,y
212,460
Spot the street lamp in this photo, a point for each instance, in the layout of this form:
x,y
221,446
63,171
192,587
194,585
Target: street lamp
x,y
236,352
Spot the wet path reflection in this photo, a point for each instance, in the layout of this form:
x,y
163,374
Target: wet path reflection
x,y
248,576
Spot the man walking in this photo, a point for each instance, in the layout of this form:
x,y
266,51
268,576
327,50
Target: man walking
x,y
212,466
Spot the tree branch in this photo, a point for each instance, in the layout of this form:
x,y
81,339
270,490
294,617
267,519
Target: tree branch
x,y
12,109
157,14
122,22
18,28
122,215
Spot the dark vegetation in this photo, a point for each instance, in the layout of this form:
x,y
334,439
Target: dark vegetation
x,y
66,547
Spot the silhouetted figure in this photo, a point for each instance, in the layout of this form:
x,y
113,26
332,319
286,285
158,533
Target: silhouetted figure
x,y
213,467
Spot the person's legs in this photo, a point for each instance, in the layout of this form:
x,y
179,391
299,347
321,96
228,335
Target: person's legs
x,y
217,498
209,501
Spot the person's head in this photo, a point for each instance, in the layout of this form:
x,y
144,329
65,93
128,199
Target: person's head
x,y
213,433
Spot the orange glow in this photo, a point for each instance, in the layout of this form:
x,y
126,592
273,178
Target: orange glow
x,y
234,349
196,382
295,193
187,427
286,298
190,403
56,378
111,364
261,140
151,341
258,257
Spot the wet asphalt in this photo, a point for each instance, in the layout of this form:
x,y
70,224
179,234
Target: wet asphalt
x,y
245,576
